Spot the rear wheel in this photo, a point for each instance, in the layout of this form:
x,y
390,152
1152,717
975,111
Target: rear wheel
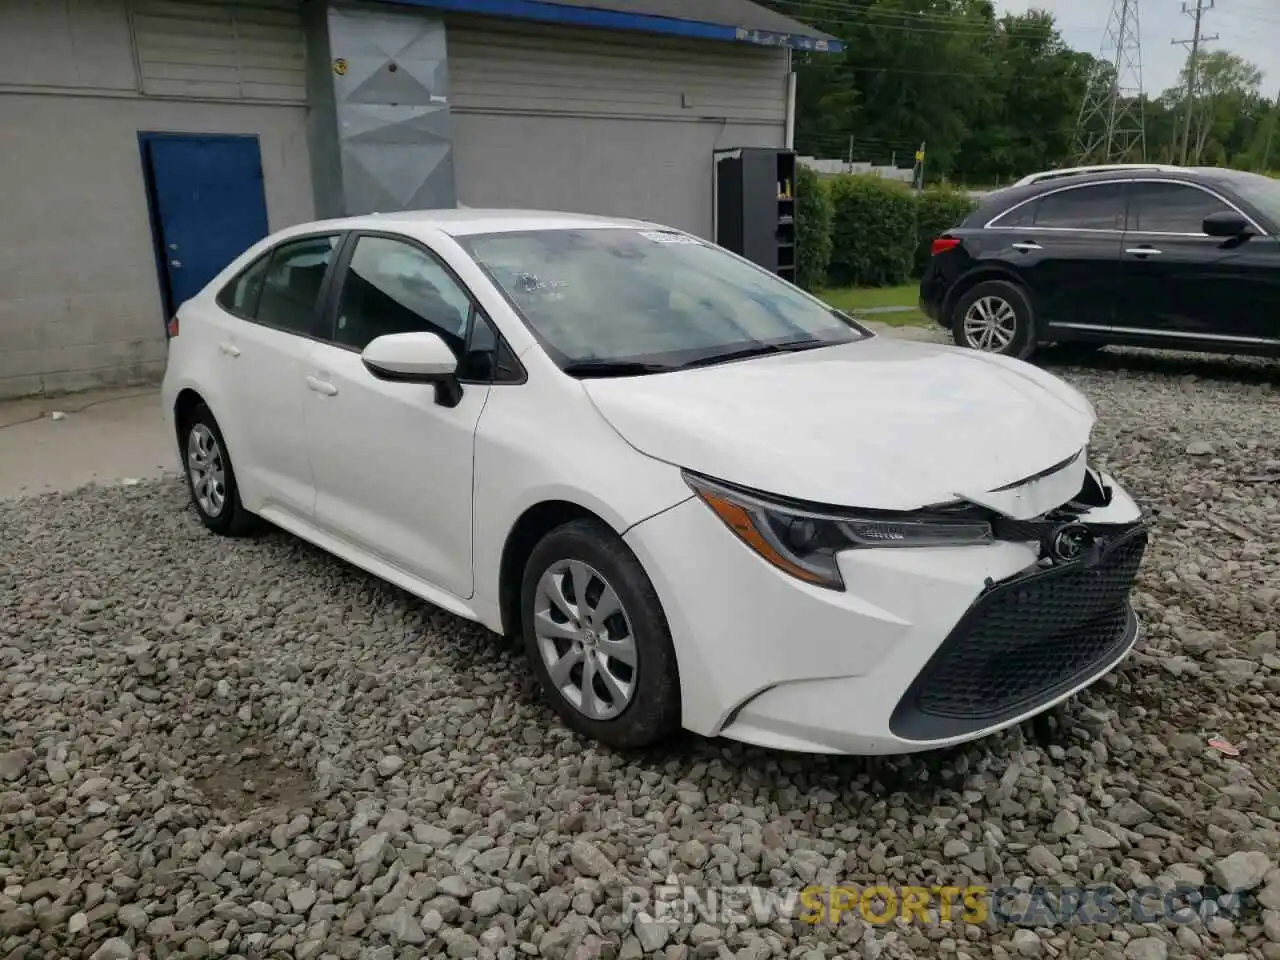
x,y
211,479
995,316
597,638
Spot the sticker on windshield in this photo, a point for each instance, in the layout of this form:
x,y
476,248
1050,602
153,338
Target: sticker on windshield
x,y
658,236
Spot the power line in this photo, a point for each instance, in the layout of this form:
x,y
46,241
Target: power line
x,y
1193,62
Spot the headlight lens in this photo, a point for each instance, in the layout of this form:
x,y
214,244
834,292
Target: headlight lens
x,y
804,543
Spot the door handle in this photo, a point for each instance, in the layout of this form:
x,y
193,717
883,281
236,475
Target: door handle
x,y
321,386
230,349
1026,246
1144,251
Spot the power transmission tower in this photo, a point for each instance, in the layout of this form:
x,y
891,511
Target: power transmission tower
x,y
1193,64
1110,125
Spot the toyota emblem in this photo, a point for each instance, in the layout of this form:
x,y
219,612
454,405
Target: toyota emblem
x,y
1070,541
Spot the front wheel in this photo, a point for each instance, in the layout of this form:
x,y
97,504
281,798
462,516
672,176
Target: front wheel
x,y
995,316
597,638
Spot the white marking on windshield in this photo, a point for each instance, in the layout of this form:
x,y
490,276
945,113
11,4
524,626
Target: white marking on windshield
x,y
660,237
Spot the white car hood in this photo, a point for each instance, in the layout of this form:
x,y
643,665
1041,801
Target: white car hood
x,y
879,423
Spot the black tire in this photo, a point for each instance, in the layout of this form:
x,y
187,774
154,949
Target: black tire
x,y
228,516
653,710
1024,340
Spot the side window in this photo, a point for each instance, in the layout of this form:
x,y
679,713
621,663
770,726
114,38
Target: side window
x,y
1171,208
1023,216
1099,207
291,285
488,358
240,296
393,287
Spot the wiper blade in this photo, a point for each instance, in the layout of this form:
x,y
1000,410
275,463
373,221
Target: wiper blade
x,y
753,351
808,344
613,368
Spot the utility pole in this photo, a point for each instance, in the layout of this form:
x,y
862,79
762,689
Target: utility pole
x,y
1271,132
1193,64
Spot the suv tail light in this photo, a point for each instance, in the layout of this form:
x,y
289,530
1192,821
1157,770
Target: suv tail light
x,y
942,245
172,326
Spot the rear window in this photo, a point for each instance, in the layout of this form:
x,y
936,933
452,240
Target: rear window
x,y
1098,206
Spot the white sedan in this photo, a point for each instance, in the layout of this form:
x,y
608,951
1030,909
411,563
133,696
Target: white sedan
x,y
700,496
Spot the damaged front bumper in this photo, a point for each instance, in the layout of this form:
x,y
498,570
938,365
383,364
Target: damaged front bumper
x,y
925,647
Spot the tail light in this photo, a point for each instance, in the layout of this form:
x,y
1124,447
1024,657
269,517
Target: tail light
x,y
942,245
172,326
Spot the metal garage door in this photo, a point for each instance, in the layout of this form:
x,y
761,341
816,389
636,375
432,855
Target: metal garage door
x,y
601,122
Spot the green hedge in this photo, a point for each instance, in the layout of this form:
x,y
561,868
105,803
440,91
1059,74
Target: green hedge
x,y
938,209
873,231
880,230
813,229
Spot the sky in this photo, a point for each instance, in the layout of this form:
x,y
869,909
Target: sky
x,y
1248,28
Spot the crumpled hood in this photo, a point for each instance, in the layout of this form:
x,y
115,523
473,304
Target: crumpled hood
x,y
880,423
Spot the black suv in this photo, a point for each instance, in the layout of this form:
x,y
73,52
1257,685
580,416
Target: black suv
x,y
1175,257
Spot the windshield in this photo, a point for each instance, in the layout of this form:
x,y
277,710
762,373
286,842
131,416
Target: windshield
x,y
1263,193
651,299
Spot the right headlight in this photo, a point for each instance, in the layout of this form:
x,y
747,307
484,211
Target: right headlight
x,y
804,542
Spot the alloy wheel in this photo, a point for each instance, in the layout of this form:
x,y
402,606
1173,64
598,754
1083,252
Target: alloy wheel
x,y
585,639
207,470
990,324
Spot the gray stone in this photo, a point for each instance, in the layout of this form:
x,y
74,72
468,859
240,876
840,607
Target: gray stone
x,y
1241,871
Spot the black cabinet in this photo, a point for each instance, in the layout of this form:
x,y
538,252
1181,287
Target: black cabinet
x,y
755,206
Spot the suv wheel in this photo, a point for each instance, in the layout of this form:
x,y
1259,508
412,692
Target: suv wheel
x,y
995,317
597,638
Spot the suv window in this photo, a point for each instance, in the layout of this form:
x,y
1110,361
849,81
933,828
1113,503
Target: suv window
x,y
291,285
1094,207
394,287
1023,216
1158,207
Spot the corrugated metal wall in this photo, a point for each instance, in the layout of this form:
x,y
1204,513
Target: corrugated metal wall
x,y
601,122
523,68
223,50
79,297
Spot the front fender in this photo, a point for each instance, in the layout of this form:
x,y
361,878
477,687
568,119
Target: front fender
x,y
531,450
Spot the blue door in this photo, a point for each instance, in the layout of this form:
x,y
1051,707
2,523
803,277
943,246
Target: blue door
x,y
207,205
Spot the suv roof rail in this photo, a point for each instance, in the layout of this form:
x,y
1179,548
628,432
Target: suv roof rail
x,y
1096,168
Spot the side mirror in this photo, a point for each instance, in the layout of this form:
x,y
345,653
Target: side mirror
x,y
415,358
1226,223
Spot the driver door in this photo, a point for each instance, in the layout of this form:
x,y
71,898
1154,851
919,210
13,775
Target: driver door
x,y
392,466
1179,282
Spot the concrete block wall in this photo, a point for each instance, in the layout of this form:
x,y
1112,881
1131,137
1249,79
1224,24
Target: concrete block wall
x,y
80,302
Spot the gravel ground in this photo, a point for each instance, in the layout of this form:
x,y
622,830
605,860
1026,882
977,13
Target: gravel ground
x,y
214,748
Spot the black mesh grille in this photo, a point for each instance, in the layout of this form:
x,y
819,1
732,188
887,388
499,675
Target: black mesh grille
x,y
1023,642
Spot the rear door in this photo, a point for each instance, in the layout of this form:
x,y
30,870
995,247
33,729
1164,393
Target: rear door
x,y
1179,282
1066,245
271,318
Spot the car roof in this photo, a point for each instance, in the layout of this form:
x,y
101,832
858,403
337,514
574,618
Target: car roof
x,y
998,200
466,221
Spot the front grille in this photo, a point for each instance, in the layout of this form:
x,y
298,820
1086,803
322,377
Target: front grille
x,y
1024,641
